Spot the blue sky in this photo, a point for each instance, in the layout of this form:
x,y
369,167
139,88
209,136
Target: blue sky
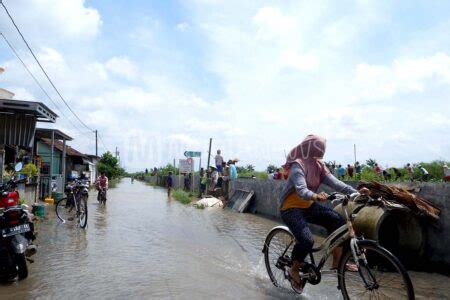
x,y
157,78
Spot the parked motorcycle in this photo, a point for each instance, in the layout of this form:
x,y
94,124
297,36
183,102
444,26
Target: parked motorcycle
x,y
16,233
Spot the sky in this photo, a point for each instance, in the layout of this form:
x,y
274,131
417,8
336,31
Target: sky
x,y
157,78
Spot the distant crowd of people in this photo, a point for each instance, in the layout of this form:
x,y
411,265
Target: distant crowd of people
x,y
219,175
354,172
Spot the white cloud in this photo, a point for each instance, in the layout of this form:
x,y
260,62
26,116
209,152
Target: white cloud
x,y
291,58
404,75
122,66
272,23
60,20
183,26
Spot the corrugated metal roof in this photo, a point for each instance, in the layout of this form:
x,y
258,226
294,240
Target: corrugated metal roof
x,y
38,109
17,129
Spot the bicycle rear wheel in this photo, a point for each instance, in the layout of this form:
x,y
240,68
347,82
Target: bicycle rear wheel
x,y
277,256
382,276
83,212
65,209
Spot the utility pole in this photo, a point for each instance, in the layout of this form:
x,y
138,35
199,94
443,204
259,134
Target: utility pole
x,y
117,153
354,151
209,153
96,143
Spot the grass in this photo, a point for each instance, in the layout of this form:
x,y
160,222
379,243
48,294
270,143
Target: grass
x,y
113,182
151,183
182,196
22,200
200,206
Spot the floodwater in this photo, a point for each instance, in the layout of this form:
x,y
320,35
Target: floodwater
x,y
142,245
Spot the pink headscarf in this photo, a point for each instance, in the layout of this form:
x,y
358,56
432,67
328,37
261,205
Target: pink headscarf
x,y
308,154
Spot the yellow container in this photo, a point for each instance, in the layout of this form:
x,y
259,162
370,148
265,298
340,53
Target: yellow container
x,y
49,200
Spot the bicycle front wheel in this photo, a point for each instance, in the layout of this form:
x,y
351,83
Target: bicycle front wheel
x,y
65,209
381,276
83,212
277,256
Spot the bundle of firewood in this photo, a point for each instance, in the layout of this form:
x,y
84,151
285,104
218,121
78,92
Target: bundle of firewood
x,y
418,205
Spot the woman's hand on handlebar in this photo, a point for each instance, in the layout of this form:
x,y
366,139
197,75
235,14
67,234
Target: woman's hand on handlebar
x,y
322,196
364,191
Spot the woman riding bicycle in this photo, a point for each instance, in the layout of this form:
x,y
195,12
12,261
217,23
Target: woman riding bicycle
x,y
299,201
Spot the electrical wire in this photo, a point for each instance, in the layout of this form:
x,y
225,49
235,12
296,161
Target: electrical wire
x,y
38,83
42,68
103,143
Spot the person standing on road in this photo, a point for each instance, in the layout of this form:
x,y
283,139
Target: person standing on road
x,y
410,171
233,170
377,169
219,161
277,175
102,185
203,181
341,172
169,183
358,170
446,173
214,177
187,182
350,171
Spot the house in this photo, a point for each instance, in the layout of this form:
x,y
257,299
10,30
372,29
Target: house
x,y
93,160
63,160
18,120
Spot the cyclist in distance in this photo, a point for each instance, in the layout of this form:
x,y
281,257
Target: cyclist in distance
x,y
299,201
101,184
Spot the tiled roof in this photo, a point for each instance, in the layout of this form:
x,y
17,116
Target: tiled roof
x,y
59,145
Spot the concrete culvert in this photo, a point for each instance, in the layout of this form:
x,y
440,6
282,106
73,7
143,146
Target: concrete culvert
x,y
397,230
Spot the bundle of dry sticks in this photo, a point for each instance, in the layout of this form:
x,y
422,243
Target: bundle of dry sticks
x,y
418,205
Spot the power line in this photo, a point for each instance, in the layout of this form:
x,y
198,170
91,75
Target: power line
x,y
42,68
103,143
37,82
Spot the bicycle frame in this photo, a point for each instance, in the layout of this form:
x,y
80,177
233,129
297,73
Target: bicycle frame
x,y
75,202
335,239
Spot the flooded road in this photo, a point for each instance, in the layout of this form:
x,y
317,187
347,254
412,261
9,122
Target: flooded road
x,y
142,245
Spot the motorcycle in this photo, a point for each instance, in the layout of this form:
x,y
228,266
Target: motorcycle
x,y
16,233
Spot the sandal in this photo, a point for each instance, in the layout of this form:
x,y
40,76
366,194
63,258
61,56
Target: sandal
x,y
296,286
349,267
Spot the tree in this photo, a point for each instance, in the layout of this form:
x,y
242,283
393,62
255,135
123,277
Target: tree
x,y
271,168
371,162
168,168
110,165
250,168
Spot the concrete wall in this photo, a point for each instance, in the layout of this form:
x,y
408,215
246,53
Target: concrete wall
x,y
438,243
178,181
28,192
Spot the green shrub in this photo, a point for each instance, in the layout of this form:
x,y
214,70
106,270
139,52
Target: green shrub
x,y
367,174
181,196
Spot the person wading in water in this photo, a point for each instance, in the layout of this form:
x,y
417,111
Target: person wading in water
x,y
299,201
